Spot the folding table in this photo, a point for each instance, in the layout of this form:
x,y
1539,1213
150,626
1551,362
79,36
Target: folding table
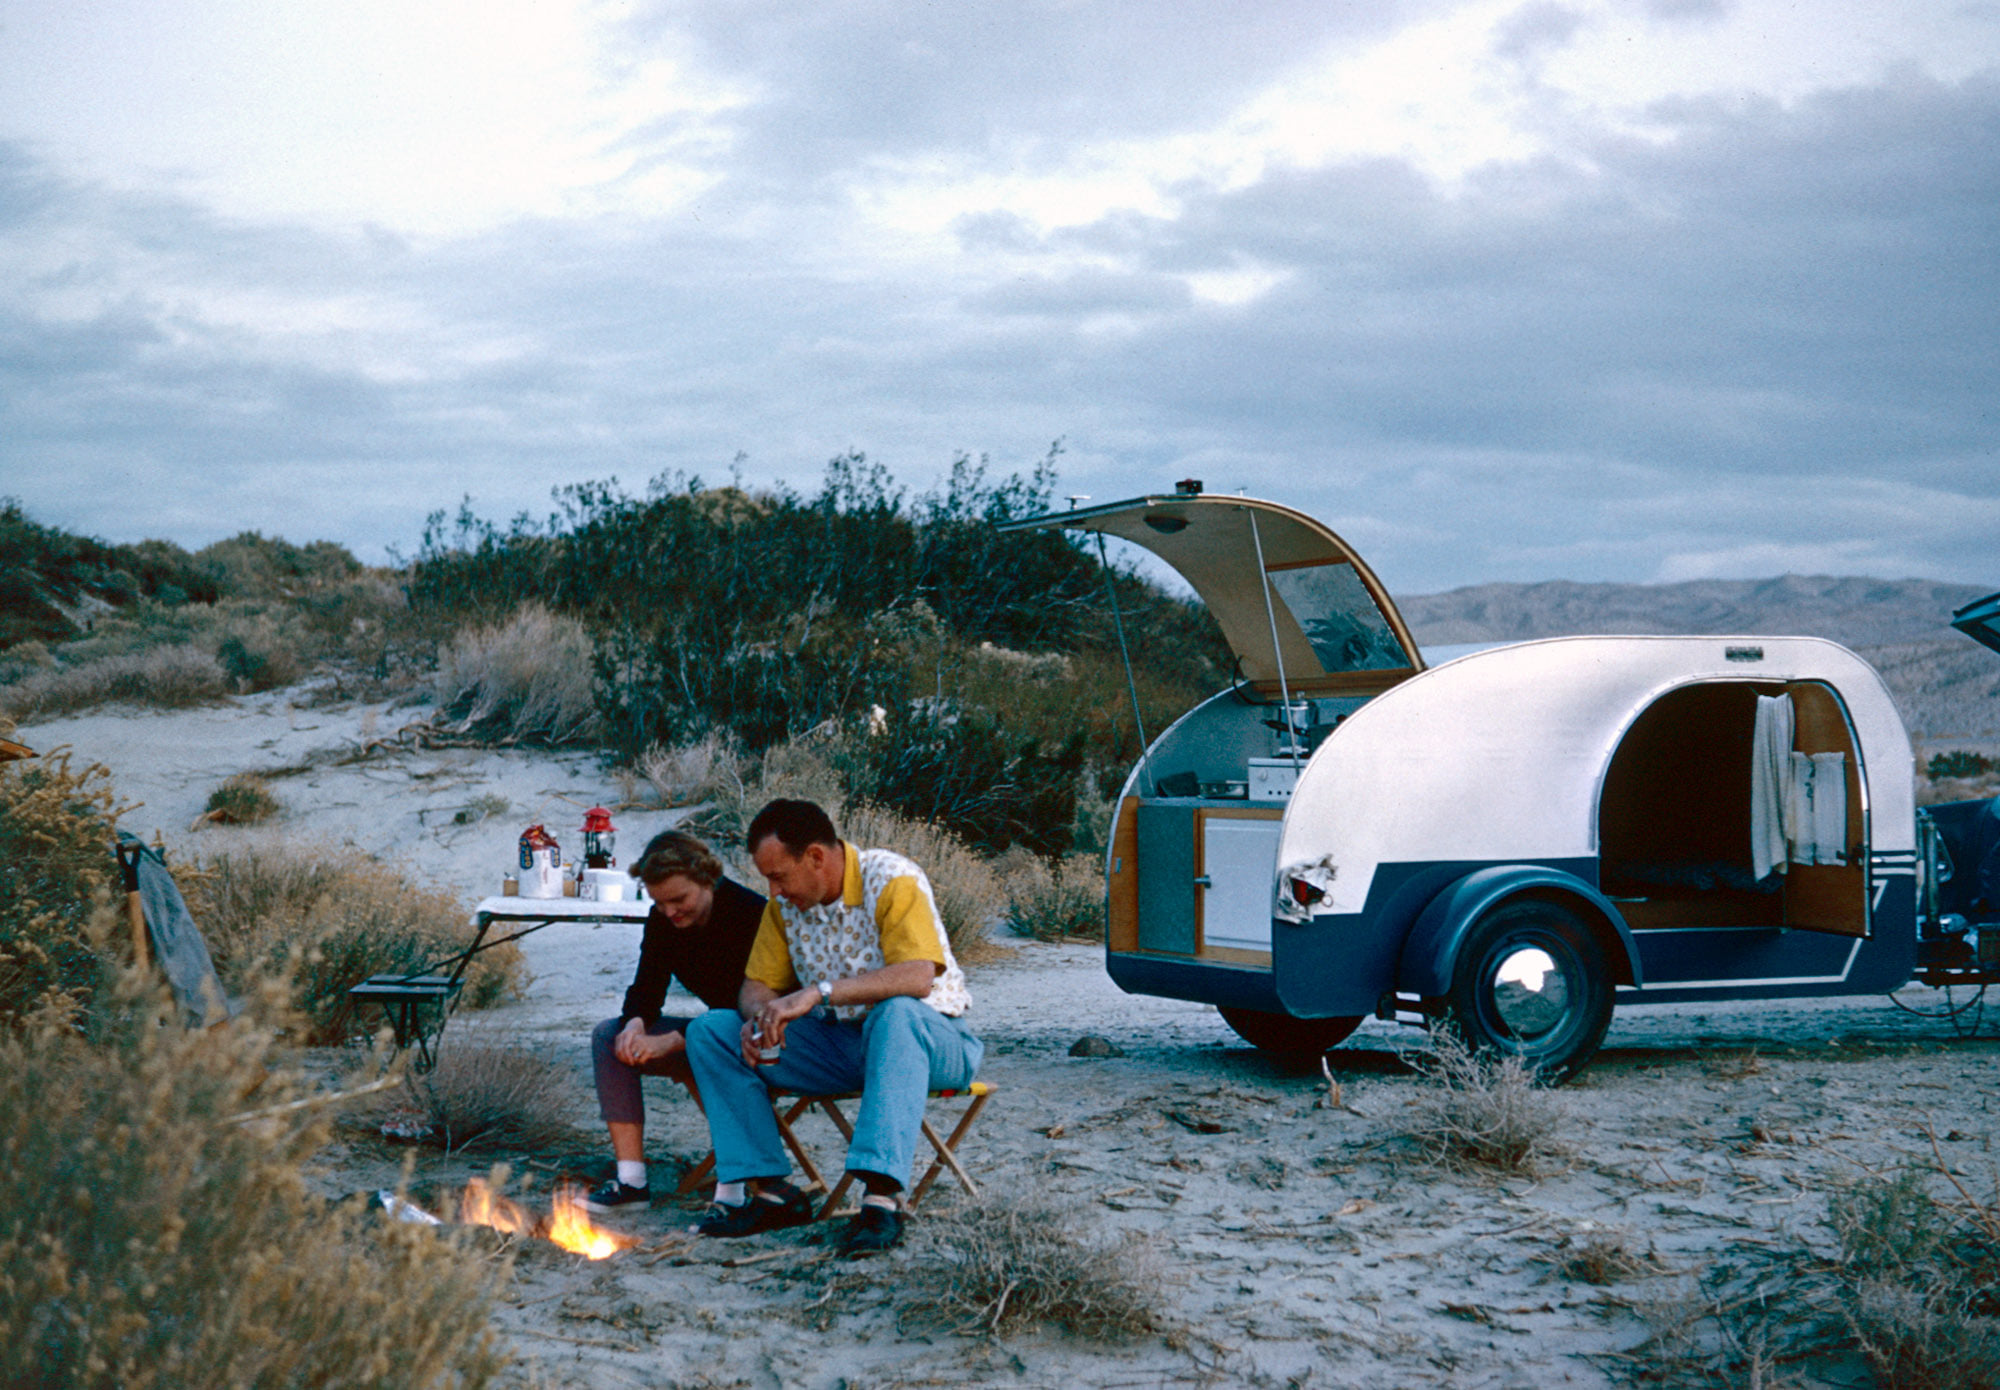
x,y
417,1004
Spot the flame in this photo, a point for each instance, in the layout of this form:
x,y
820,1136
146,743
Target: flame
x,y
570,1227
480,1205
569,1224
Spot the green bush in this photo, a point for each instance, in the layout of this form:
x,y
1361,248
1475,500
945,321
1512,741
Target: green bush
x,y
258,660
963,770
150,1240
1957,763
245,799
46,574
1060,902
991,656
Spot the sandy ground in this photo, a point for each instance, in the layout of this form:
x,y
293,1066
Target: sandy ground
x,y
1290,1241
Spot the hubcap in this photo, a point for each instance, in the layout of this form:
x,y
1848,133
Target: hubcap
x,y
1531,994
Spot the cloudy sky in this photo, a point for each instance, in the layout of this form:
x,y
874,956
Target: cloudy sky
x,y
1587,289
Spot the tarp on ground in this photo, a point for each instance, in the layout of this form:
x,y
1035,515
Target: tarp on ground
x,y
177,941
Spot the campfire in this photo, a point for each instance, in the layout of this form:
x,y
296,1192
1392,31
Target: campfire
x,y
568,1224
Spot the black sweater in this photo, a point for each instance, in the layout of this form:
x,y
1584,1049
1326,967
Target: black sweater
x,y
708,960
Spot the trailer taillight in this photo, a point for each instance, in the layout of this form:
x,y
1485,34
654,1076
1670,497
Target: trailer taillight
x,y
1306,894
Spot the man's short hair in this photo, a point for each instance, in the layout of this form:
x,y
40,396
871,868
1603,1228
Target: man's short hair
x,y
674,852
797,825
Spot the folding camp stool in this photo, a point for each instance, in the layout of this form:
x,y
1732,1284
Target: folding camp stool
x,y
787,1108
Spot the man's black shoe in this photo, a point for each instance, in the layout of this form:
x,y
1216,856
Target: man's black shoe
x,y
778,1205
612,1195
873,1230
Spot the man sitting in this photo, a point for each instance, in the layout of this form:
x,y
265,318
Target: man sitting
x,y
851,985
699,931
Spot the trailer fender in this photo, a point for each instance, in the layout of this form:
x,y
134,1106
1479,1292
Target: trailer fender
x,y
1430,951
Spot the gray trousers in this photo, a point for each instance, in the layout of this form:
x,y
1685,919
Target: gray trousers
x,y
620,1099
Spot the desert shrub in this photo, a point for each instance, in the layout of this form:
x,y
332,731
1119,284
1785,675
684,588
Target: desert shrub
x,y
1604,1257
325,920
1008,1266
1485,1110
484,807
1924,1338
965,887
25,659
1890,1227
1957,763
148,1239
692,772
258,655
250,565
1919,1281
525,680
480,1097
243,799
1060,902
56,866
1958,789
174,677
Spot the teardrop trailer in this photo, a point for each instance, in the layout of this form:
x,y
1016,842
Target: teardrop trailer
x,y
1519,839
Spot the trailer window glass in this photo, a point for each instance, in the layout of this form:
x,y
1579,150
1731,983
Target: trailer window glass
x,y
1339,617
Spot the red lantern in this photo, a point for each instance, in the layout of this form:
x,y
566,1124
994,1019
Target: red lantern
x,y
599,839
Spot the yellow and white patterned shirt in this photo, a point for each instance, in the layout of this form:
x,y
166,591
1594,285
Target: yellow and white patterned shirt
x,y
885,915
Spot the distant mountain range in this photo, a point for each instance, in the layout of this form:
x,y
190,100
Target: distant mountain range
x,y
1947,685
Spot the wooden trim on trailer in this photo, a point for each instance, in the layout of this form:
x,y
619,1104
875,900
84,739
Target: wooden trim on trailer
x,y
1121,908
1830,898
1340,683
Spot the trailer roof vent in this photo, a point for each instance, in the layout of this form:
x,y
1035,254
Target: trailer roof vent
x,y
1188,487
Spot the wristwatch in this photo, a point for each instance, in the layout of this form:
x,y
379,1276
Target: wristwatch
x,y
826,995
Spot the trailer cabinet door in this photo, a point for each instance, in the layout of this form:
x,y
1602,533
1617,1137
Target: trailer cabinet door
x,y
1239,865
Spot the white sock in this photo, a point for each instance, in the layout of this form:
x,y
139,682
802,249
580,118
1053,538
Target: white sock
x,y
632,1172
731,1194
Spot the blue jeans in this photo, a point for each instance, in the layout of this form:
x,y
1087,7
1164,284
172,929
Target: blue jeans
x,y
903,1050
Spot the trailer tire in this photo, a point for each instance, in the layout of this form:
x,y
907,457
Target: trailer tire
x,y
1268,1032
1531,982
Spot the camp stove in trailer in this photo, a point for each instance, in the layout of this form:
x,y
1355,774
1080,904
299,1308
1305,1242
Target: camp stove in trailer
x,y
1523,837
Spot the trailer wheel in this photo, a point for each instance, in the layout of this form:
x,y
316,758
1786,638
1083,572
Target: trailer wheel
x,y
1531,983
1282,1033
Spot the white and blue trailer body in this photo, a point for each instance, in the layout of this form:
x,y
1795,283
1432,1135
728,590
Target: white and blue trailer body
x,y
1521,838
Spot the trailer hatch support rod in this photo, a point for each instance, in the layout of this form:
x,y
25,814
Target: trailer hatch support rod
x,y
1125,654
1277,652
